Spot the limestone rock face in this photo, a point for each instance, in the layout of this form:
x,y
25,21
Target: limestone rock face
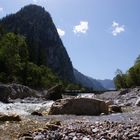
x,y
79,106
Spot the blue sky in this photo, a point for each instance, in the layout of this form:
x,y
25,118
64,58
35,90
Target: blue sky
x,y
99,35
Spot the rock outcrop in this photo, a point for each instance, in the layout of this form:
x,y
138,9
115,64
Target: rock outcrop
x,y
14,91
54,93
79,106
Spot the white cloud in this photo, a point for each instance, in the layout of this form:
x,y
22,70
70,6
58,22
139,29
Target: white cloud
x,y
38,1
1,9
35,1
81,28
115,24
117,29
60,32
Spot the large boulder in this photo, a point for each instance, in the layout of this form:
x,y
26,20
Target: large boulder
x,y
14,91
79,106
54,93
21,91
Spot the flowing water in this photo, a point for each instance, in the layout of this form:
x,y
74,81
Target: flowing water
x,y
86,95
24,108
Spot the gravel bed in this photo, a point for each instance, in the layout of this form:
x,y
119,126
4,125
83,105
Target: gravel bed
x,y
106,130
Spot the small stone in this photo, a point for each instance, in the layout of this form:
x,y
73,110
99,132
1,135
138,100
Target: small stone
x,y
36,113
85,138
72,134
39,137
103,139
132,134
74,138
136,138
95,130
52,127
103,133
115,109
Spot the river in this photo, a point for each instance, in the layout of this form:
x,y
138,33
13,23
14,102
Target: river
x,y
25,107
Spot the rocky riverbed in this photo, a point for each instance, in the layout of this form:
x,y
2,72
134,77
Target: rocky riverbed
x,y
115,126
118,126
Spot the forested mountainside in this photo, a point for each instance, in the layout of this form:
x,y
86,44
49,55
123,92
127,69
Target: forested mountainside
x,y
44,44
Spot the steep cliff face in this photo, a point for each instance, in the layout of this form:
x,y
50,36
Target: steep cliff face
x,y
44,44
87,81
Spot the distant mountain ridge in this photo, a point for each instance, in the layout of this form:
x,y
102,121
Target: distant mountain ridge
x,y
87,81
44,44
108,84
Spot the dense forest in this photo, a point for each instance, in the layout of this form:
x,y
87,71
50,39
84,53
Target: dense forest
x,y
129,79
16,67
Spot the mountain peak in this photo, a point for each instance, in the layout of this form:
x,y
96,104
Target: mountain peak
x,y
45,46
33,7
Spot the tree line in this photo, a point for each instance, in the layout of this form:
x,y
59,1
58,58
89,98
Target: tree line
x,y
129,79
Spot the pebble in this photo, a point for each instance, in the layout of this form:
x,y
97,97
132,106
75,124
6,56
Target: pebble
x,y
39,137
85,138
95,130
